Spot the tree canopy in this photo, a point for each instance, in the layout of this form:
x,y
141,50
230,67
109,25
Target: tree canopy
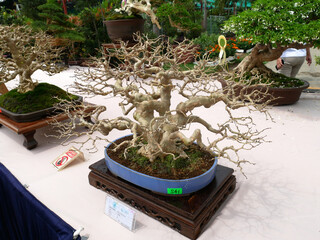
x,y
279,22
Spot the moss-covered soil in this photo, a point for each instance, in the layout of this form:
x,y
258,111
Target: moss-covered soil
x,y
43,96
198,163
278,80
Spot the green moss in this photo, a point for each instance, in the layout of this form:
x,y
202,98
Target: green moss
x,y
118,16
169,162
43,96
277,80
132,154
190,66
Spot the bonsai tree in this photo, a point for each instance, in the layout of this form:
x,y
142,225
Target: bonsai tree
x,y
275,26
133,8
54,22
180,17
148,83
30,51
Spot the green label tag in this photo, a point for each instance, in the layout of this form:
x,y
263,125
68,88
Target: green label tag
x,y
174,190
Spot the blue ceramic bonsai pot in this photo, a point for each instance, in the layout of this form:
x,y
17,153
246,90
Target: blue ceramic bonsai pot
x,y
160,185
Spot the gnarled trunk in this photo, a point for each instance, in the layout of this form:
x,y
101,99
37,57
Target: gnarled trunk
x,y
25,83
255,60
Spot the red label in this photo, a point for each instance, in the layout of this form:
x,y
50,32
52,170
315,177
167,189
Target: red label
x,y
61,161
71,153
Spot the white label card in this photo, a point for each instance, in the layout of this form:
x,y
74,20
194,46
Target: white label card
x,y
121,213
67,157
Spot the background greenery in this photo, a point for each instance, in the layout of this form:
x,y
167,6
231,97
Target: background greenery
x,y
84,22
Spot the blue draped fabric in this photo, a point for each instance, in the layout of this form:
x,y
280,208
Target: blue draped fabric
x,y
23,217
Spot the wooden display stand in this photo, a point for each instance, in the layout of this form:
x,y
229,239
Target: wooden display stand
x,y
186,214
28,129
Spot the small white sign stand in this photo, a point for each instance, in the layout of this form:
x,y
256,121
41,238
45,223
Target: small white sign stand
x,y
120,212
67,157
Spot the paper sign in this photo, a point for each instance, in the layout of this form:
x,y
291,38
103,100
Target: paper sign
x,y
67,157
120,213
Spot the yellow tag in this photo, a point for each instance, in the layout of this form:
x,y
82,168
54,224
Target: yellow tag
x,y
222,41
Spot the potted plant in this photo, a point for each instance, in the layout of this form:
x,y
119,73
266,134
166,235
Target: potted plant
x,y
30,51
127,20
274,27
160,104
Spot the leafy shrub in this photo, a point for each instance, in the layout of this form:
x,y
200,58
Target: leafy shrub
x,y
209,43
180,16
9,17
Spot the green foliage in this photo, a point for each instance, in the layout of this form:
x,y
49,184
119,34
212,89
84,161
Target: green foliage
x,y
30,8
205,40
9,17
43,96
169,163
55,22
184,18
132,154
318,60
243,44
93,30
283,22
209,43
82,4
113,15
275,80
116,16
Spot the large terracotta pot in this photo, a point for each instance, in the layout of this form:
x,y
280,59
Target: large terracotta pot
x,y
123,29
160,185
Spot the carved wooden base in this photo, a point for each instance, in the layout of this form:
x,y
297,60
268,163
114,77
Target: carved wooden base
x,y
188,214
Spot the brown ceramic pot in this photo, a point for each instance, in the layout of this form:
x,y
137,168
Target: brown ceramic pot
x,y
123,29
280,96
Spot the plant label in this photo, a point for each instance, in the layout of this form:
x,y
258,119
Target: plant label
x,y
174,190
67,157
120,213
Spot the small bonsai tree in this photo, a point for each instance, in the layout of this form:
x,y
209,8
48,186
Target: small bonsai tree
x,y
276,26
30,51
147,82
